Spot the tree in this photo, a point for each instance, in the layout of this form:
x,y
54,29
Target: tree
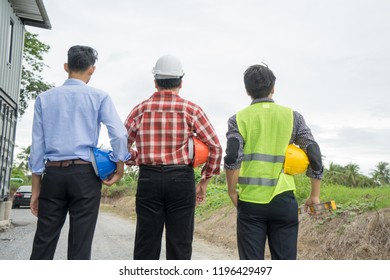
x,y
381,174
334,174
352,174
23,159
348,175
32,83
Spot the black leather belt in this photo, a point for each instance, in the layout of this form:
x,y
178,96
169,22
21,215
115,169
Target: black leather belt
x,y
164,166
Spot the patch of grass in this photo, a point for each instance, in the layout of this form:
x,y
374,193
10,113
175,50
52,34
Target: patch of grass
x,y
119,190
216,198
347,199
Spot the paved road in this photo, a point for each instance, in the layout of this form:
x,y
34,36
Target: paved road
x,y
114,238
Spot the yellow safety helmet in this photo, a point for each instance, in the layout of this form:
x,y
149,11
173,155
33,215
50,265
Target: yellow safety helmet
x,y
198,151
296,161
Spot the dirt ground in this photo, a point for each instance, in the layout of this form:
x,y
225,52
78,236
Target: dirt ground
x,y
347,236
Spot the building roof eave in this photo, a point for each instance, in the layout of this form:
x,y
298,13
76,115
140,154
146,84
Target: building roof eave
x,y
31,12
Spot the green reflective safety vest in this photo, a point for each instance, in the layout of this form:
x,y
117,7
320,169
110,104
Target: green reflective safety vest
x,y
266,129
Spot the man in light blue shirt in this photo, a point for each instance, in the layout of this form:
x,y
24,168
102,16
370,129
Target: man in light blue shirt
x,y
66,125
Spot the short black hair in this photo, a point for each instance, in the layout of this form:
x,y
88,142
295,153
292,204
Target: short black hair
x,y
168,83
80,58
259,81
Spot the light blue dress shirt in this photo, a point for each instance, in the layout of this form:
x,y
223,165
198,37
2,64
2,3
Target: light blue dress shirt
x,y
67,123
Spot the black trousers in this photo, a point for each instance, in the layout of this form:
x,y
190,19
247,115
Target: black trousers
x,y
165,196
277,221
75,190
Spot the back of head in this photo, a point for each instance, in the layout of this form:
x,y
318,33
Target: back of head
x,y
168,72
259,81
80,58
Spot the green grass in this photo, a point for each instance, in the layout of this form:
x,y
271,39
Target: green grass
x,y
216,198
354,199
380,197
346,198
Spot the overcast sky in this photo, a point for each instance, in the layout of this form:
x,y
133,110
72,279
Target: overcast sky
x,y
331,60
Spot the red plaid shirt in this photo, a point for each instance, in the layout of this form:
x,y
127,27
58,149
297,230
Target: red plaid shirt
x,y
161,125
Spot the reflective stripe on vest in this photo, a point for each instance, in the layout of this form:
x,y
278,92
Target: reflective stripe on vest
x,y
263,157
258,181
266,129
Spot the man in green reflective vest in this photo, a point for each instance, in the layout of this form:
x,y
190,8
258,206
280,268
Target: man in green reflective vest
x,y
257,140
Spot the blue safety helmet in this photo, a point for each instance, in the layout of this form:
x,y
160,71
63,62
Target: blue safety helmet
x,y
101,162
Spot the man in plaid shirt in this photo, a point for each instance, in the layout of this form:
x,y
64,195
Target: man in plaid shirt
x,y
166,192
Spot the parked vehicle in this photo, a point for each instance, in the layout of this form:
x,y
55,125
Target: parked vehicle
x,y
22,197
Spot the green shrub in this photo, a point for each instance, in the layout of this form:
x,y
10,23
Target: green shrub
x,y
125,187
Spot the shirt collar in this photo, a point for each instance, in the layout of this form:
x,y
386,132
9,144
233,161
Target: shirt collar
x,y
165,92
264,99
72,82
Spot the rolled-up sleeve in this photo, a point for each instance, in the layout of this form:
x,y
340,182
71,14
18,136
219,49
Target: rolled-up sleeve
x,y
36,161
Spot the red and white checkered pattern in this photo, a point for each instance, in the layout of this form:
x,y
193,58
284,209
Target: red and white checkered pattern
x,y
161,125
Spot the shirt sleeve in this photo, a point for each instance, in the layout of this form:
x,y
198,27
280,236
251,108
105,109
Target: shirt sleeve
x,y
116,131
303,137
36,161
234,146
206,133
132,125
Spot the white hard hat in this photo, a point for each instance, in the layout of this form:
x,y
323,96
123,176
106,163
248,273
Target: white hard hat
x,y
168,67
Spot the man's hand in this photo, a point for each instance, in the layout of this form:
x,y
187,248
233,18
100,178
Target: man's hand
x,y
132,160
314,197
311,201
112,179
115,177
233,194
201,190
34,205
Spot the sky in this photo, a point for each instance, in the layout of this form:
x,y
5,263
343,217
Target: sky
x,y
331,60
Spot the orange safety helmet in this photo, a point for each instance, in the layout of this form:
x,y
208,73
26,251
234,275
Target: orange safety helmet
x,y
198,151
296,160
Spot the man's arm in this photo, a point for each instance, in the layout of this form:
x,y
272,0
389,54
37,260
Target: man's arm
x,y
206,133
36,160
314,197
232,179
233,158
303,137
118,139
36,188
116,131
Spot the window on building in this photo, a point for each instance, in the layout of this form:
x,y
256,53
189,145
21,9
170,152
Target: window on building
x,y
10,40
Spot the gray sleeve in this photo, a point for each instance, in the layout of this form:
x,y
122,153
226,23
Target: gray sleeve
x,y
303,137
234,146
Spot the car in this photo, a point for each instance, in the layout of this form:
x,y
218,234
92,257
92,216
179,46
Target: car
x,y
22,197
